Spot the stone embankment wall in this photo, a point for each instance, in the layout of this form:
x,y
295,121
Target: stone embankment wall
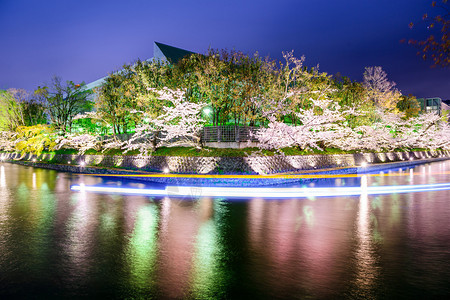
x,y
219,165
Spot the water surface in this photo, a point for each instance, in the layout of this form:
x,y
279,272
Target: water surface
x,y
58,244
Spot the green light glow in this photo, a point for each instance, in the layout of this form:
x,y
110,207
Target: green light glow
x,y
208,278
142,248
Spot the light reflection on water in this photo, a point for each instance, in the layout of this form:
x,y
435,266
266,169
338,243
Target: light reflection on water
x,y
56,243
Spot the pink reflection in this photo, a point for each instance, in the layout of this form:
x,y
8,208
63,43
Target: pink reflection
x,y
366,271
80,228
179,226
299,241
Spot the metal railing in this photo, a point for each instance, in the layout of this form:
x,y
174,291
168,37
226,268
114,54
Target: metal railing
x,y
229,134
121,137
208,134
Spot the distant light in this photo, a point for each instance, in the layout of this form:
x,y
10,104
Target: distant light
x,y
68,162
82,164
364,164
166,170
34,159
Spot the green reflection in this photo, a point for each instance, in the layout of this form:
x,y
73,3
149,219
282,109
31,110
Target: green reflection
x,y
142,247
32,213
45,215
307,217
376,234
308,212
395,209
377,203
209,269
23,193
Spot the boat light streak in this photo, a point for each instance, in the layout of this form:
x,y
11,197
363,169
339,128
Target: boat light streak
x,y
237,192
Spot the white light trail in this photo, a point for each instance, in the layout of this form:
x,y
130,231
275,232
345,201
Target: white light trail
x,y
272,192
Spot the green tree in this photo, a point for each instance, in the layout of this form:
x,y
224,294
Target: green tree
x,y
11,115
379,89
64,101
126,95
409,105
35,139
350,93
34,108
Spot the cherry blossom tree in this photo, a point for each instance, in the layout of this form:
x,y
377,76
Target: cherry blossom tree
x,y
80,142
322,125
179,125
8,141
379,89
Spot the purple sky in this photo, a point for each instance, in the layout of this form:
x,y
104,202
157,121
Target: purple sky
x,y
85,40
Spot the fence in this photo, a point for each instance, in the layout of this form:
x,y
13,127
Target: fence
x,y
212,134
121,137
229,134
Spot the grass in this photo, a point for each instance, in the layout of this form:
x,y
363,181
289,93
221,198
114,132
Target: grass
x,y
220,152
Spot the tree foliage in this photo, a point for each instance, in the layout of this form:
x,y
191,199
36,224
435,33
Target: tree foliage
x,y
35,139
21,108
179,124
379,89
11,115
157,105
126,93
64,101
437,45
409,106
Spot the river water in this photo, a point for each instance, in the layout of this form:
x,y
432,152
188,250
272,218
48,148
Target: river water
x,y
61,244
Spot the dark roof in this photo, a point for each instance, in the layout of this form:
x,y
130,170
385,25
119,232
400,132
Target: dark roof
x,y
160,51
173,54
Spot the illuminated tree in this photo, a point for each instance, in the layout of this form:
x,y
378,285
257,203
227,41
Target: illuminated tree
x,y
34,139
127,91
80,142
179,124
409,106
350,93
379,89
11,115
64,102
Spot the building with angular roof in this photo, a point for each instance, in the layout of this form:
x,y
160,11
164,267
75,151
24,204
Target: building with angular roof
x,y
161,52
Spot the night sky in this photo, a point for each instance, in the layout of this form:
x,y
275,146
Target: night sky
x,y
85,40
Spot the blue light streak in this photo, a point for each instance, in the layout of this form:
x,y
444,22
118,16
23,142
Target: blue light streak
x,y
272,192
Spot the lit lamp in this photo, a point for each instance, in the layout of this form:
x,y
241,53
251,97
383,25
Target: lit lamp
x,y
207,111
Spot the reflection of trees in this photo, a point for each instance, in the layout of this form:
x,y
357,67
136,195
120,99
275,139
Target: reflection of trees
x,y
27,212
208,273
210,248
80,228
142,248
365,256
177,230
296,245
5,202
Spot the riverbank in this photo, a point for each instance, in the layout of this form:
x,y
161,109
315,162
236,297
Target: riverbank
x,y
226,171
